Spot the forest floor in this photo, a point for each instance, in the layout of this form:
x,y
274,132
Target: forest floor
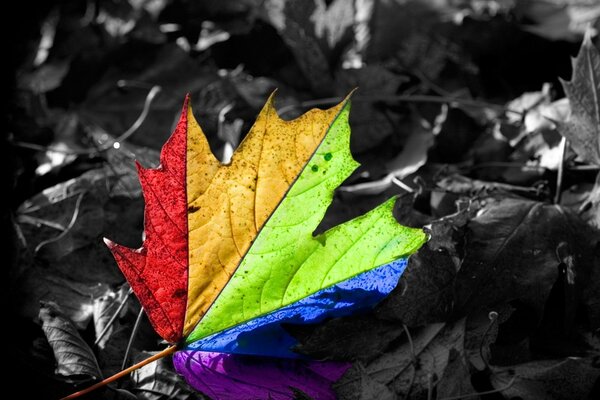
x,y
472,112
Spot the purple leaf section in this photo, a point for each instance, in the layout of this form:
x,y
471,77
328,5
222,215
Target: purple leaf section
x,y
224,376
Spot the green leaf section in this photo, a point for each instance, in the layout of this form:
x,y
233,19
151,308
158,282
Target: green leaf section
x,y
287,263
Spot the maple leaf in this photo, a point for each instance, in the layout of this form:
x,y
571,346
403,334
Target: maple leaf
x,y
583,127
229,252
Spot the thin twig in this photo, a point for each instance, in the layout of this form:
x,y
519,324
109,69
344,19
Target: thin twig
x,y
413,361
484,185
113,318
136,326
417,98
429,84
106,146
141,118
559,175
376,186
37,222
505,165
588,202
67,229
493,317
131,83
168,351
429,387
527,167
401,184
32,208
584,168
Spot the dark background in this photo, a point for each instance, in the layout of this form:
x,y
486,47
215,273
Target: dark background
x,y
460,162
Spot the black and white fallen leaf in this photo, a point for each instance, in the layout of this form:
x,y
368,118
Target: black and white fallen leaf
x,y
511,254
413,366
568,379
73,356
583,91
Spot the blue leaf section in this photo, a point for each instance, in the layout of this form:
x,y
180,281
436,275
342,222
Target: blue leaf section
x,y
265,336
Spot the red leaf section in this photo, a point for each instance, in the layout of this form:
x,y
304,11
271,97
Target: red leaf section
x,y
158,271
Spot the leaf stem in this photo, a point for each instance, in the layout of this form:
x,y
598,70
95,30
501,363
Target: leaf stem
x,y
114,317
413,361
67,229
134,331
168,351
115,143
493,317
559,175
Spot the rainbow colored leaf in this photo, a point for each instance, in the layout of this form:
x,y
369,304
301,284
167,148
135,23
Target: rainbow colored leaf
x,y
229,251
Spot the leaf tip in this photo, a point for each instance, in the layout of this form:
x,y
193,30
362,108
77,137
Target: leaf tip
x,y
187,101
352,92
109,243
346,100
587,36
139,167
271,100
422,234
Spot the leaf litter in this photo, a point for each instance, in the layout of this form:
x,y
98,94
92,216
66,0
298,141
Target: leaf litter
x,y
484,180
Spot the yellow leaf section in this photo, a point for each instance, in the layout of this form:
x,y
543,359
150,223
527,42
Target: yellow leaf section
x,y
229,204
